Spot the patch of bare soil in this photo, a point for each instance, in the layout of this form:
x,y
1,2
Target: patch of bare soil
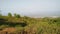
x,y
10,29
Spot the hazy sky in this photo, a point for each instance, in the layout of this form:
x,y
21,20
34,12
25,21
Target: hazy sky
x,y
33,8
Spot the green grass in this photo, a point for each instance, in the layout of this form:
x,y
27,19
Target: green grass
x,y
32,25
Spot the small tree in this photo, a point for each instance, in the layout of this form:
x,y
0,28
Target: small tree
x,y
9,14
16,15
0,14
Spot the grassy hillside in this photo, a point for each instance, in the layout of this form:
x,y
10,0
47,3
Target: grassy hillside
x,y
26,25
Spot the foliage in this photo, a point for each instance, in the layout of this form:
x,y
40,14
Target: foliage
x,y
28,25
16,15
9,14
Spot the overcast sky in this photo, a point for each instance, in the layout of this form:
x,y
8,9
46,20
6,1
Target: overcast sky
x,y
33,8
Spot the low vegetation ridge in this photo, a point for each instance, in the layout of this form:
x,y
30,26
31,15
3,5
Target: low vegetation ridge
x,y
26,25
